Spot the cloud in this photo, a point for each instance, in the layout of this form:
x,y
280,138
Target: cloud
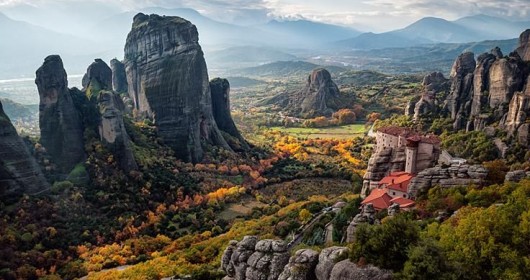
x,y
372,15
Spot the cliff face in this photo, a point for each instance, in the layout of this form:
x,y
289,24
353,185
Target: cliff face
x,y
220,90
458,102
60,125
523,49
112,129
19,172
319,97
505,77
250,259
168,82
119,77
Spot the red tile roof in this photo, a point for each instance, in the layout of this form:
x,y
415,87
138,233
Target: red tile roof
x,y
379,198
397,181
403,202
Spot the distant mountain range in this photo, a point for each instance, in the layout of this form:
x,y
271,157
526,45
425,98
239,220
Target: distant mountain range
x,y
23,46
285,68
431,30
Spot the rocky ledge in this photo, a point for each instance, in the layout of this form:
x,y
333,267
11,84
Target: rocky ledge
x,y
250,259
451,176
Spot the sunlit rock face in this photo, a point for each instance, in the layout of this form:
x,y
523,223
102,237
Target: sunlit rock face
x,y
319,97
168,82
112,129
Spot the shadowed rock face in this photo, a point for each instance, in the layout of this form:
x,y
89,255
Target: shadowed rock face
x,y
168,82
19,172
220,90
119,77
98,72
458,102
60,125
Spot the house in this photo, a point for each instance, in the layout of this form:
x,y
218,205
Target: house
x,y
397,184
391,189
379,199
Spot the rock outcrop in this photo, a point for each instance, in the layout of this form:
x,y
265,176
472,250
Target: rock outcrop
x,y
168,82
523,48
433,84
19,172
220,90
454,175
346,270
268,259
60,125
112,129
99,75
119,77
241,255
327,259
301,266
516,176
367,216
319,97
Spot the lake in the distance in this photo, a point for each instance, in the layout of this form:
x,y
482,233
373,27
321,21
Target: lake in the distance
x,y
24,91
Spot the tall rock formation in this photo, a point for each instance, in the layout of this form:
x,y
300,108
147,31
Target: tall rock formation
x,y
523,48
111,109
458,103
60,125
19,172
319,97
432,84
99,75
119,77
220,90
168,82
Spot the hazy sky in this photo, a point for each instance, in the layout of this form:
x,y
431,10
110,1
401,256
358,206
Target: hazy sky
x,y
371,15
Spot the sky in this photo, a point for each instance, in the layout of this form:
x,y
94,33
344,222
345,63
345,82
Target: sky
x,y
365,15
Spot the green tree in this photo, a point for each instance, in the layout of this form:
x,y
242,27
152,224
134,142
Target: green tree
x,y
385,245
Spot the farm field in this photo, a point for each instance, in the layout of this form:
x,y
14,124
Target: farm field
x,y
334,132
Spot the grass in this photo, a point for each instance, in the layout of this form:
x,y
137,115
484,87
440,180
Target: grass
x,y
334,132
240,209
